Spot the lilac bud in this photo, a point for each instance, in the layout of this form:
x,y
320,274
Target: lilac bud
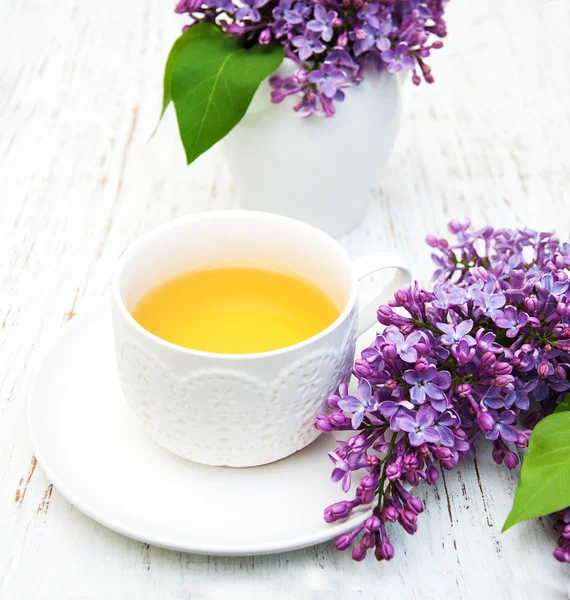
x,y
342,39
534,323
432,475
456,226
502,368
423,450
265,36
344,541
393,471
371,461
485,421
339,510
422,365
387,550
357,443
442,453
301,75
488,359
566,532
372,524
368,541
408,517
501,381
511,460
460,434
362,368
448,465
436,46
359,553
385,315
531,304
323,424
411,461
337,22
524,436
561,309
547,348
560,555
391,384
415,504
389,352
338,419
389,513
416,79
401,297
560,372
542,370
332,401
413,478
464,389
368,482
498,455
431,240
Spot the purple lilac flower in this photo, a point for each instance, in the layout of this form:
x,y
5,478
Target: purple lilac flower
x,y
283,12
453,334
307,46
368,38
328,79
360,405
187,6
444,373
341,471
428,384
419,425
503,426
249,10
404,345
322,22
369,14
398,59
511,320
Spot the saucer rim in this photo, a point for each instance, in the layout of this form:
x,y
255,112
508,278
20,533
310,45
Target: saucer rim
x,y
287,545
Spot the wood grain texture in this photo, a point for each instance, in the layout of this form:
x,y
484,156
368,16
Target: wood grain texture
x,y
79,94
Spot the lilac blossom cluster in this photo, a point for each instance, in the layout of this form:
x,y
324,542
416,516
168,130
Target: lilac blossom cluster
x,y
467,360
332,42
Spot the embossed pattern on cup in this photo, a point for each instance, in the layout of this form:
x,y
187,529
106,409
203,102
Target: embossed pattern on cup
x,y
248,416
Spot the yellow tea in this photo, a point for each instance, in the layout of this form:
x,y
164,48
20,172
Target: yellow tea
x,y
235,309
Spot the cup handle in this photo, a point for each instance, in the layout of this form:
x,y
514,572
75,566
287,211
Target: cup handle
x,y
372,263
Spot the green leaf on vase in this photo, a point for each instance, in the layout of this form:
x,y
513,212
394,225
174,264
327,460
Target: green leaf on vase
x,y
214,79
178,46
544,485
564,405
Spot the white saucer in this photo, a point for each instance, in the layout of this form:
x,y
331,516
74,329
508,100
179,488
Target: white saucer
x,y
96,454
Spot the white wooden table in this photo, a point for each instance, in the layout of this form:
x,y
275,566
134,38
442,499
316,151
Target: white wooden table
x,y
79,95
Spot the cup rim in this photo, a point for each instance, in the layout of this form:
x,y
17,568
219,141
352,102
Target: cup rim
x,y
145,238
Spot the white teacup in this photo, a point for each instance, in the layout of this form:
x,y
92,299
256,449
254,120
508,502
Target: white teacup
x,y
239,410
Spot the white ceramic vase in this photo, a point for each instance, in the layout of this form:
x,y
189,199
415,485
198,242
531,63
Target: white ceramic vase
x,y
318,170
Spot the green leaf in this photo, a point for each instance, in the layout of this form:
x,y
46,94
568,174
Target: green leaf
x,y
564,405
544,485
178,46
213,81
